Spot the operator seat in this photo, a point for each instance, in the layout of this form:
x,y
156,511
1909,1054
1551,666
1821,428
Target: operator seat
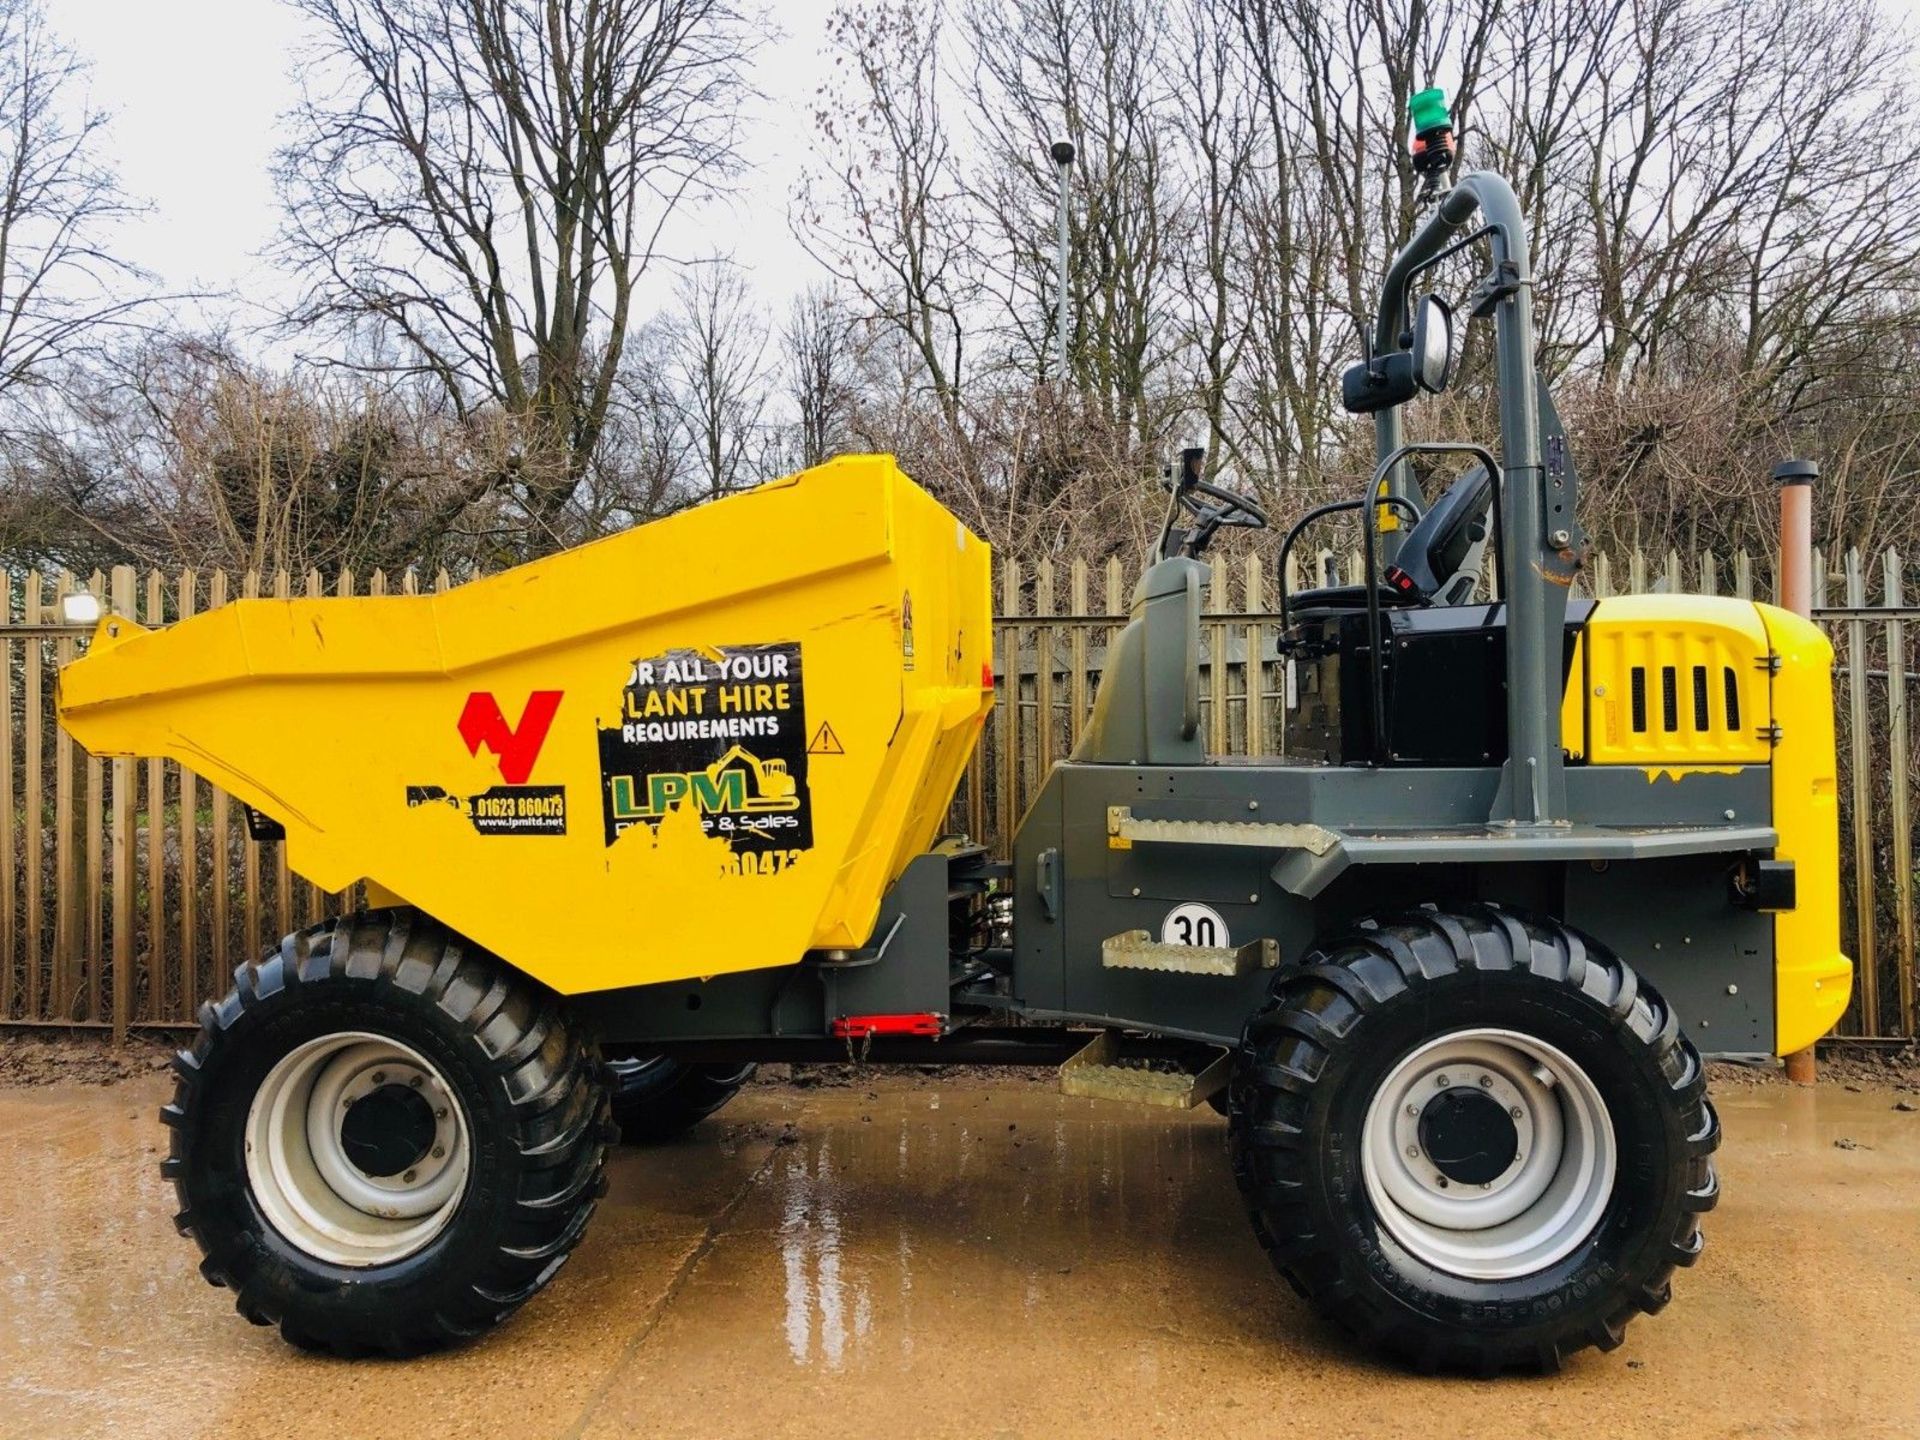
x,y
1439,560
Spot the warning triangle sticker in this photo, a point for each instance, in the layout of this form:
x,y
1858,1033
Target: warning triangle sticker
x,y
825,742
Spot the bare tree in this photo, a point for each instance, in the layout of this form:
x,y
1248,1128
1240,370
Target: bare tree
x,y
884,207
1096,73
1219,137
818,371
638,473
477,186
59,285
716,348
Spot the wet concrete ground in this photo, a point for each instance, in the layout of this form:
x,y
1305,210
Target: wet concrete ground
x,y
966,1257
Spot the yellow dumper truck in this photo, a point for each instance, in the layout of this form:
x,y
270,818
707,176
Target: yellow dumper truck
x,y
635,816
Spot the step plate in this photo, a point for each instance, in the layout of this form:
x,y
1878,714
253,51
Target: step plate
x,y
1138,950
1095,1074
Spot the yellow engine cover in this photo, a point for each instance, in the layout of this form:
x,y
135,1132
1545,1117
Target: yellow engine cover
x,y
1678,685
1670,681
704,745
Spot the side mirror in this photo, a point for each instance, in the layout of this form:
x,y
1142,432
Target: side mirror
x,y
1432,343
1378,384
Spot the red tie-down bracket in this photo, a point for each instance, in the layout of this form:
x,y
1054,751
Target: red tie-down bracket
x,y
859,1027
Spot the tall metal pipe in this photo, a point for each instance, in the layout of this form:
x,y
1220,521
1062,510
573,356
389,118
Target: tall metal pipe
x,y
1795,478
1795,589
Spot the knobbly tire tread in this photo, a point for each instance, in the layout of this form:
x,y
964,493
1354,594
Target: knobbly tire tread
x,y
1303,1040
659,1108
528,1199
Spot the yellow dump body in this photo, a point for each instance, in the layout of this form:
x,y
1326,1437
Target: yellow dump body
x,y
708,744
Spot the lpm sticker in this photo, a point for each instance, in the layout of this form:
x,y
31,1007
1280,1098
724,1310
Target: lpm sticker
x,y
723,730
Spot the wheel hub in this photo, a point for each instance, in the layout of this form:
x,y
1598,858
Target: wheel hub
x,y
388,1132
356,1149
1468,1135
1488,1154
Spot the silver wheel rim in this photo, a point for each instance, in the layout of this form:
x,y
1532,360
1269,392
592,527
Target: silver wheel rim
x,y
306,1181
1550,1197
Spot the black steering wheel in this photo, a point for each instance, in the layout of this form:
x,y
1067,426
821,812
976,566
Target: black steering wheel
x,y
1232,509
1212,507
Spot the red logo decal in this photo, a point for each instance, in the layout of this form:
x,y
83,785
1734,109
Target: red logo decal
x,y
518,746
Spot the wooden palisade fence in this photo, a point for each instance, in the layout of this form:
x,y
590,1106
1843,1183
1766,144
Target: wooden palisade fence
x,y
133,888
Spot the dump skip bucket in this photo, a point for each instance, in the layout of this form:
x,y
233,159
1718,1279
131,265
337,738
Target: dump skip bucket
x,y
704,745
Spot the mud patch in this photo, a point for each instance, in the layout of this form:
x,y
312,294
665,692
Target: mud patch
x,y
1871,1066
33,1058
1855,1068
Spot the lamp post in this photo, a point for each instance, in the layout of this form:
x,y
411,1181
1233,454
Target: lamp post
x,y
1062,153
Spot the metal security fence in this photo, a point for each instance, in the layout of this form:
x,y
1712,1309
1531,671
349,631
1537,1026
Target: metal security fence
x,y
133,887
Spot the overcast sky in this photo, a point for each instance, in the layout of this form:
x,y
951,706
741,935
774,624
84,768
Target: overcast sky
x,y
196,88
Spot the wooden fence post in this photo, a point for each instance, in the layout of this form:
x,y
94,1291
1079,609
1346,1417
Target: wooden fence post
x,y
1043,643
1077,682
1255,667
220,842
1006,713
66,891
125,782
249,851
9,863
1217,731
33,832
91,969
189,853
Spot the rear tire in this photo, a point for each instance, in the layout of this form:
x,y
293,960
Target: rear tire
x,y
657,1098
1406,1035
479,1130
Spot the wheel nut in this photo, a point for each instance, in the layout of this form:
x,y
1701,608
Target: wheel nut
x,y
1486,1082
414,1083
439,1152
1441,1181
441,1113
1413,1109
1441,1081
408,1177
1514,1112
379,1077
1413,1152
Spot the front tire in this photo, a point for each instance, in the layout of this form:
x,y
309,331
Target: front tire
x,y
1474,1140
384,1140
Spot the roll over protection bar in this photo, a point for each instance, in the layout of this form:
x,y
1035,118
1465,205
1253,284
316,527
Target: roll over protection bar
x,y
1533,787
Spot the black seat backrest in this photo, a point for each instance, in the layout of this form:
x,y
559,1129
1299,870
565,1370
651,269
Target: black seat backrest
x,y
1439,559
